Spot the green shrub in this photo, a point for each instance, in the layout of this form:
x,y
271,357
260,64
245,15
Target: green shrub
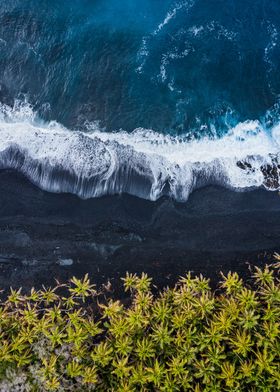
x,y
186,338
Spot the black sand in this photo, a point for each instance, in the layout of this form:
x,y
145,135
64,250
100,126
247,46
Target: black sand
x,y
45,236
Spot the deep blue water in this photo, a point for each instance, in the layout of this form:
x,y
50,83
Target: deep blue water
x,y
186,68
118,63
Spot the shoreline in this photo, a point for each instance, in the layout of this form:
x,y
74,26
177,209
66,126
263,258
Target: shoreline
x,y
44,236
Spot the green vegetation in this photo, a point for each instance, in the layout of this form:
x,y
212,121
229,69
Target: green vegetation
x,y
186,338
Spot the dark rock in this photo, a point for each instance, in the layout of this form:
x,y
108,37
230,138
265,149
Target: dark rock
x,y
244,165
271,176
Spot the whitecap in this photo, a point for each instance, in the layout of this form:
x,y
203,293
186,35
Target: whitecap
x,y
142,163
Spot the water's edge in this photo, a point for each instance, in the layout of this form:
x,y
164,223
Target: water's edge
x,y
142,163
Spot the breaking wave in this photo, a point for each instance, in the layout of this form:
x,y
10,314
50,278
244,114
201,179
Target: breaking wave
x,y
142,163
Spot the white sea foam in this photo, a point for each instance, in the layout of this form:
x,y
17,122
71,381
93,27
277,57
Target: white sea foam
x,y
172,14
142,163
268,54
196,30
221,31
273,33
173,55
143,52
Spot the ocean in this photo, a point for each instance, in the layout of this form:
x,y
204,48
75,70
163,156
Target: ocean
x,y
151,98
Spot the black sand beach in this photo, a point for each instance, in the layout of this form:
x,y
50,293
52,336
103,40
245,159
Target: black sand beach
x,y
44,236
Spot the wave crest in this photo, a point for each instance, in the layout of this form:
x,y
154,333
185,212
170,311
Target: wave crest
x,y
143,163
